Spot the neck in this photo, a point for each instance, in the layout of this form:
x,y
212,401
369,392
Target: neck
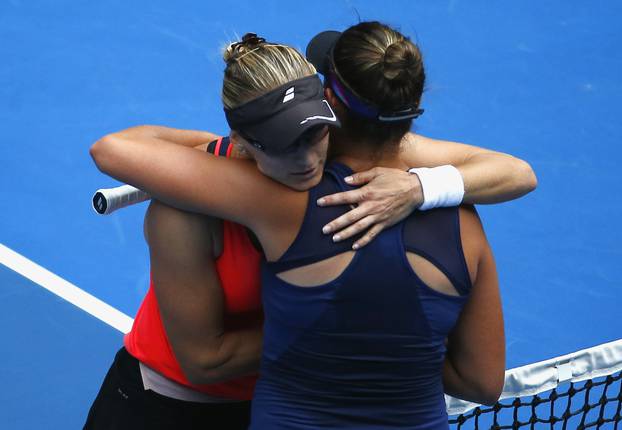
x,y
360,155
238,152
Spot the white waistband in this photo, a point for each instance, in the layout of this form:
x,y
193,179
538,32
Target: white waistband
x,y
164,386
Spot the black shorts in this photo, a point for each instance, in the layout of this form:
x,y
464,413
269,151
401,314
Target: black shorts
x,y
123,403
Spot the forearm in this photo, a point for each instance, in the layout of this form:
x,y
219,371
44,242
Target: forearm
x,y
488,176
121,154
152,165
190,138
492,177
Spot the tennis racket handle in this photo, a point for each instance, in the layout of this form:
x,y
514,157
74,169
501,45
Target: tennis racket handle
x,y
108,200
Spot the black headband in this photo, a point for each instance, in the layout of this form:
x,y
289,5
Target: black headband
x,y
276,119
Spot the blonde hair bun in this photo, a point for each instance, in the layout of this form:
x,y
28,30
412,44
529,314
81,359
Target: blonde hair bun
x,y
254,67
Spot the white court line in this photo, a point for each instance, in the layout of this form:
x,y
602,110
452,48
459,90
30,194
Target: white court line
x,y
66,290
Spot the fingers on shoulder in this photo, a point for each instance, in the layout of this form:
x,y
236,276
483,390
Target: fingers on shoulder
x,y
360,178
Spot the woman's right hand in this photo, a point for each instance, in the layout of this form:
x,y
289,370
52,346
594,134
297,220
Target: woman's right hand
x,y
386,197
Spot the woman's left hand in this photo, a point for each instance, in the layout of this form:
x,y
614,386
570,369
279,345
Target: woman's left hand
x,y
387,197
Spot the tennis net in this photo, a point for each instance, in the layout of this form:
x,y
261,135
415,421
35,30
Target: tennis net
x,y
575,391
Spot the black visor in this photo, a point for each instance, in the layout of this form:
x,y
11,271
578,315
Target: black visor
x,y
276,119
320,50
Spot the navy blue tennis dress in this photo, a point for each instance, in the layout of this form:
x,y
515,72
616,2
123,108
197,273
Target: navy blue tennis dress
x,y
366,350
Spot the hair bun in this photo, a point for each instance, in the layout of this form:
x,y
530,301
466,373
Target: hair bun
x,y
249,42
401,61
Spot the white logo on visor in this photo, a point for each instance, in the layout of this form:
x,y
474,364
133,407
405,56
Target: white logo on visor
x,y
328,118
289,95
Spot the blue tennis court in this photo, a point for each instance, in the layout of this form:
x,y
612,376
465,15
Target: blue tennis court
x,y
539,80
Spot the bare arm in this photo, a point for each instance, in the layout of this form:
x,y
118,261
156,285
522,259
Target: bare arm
x,y
474,366
389,195
195,181
182,248
192,138
489,176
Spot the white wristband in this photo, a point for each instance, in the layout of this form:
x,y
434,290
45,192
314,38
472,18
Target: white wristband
x,y
442,186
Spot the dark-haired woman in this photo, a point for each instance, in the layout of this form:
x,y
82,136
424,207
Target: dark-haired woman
x,y
342,349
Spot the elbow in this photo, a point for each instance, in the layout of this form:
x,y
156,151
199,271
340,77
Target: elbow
x,y
96,151
102,152
490,394
111,150
488,389
202,370
482,384
205,376
528,176
196,377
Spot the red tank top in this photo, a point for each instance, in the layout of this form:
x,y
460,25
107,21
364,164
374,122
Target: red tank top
x,y
238,269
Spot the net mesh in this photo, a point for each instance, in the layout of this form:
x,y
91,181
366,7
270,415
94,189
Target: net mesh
x,y
595,403
577,391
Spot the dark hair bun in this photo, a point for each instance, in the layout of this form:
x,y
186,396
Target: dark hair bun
x,y
401,62
249,42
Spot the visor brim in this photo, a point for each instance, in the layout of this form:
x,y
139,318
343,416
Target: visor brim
x,y
283,129
319,50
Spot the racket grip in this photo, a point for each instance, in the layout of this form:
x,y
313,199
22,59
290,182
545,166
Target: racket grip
x,y
107,200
